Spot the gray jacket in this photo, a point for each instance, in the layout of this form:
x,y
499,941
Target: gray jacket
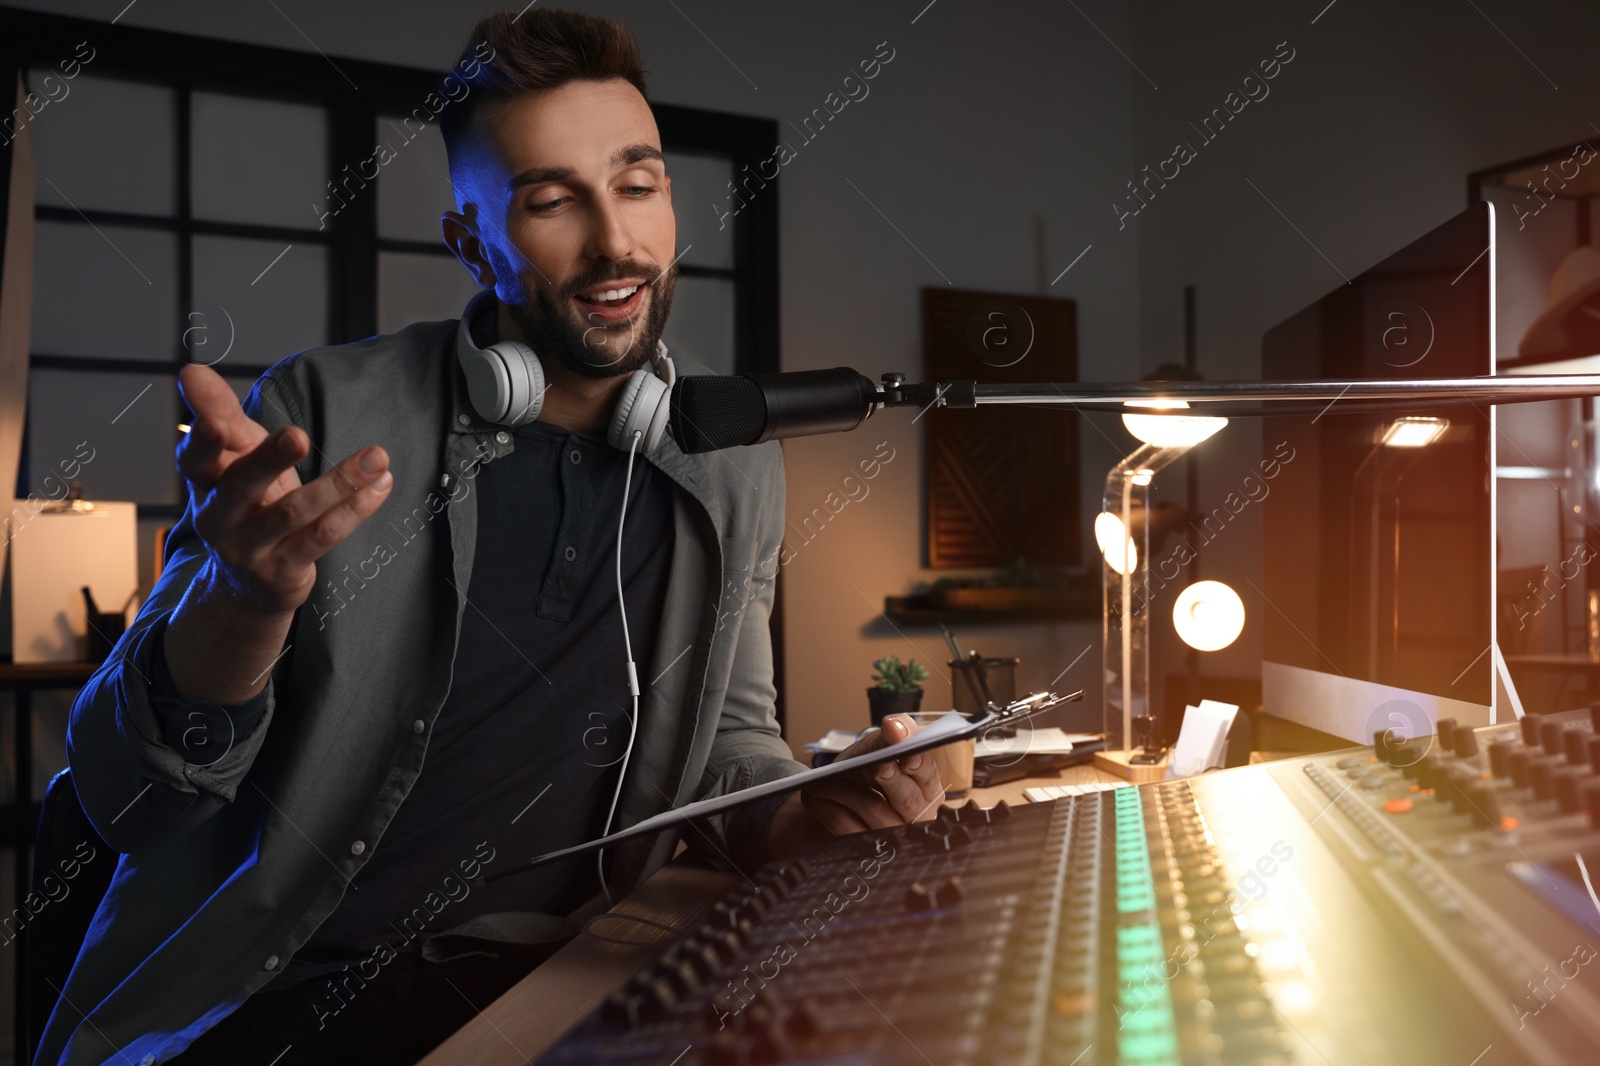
x,y
227,868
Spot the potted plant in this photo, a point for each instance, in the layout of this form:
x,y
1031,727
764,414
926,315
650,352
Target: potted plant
x,y
897,690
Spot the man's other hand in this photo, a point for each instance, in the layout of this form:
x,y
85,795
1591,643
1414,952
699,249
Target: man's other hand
x,y
892,793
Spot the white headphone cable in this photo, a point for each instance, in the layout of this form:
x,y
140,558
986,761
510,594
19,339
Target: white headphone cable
x,y
633,673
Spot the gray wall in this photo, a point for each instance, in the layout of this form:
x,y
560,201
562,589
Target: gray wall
x,y
1364,144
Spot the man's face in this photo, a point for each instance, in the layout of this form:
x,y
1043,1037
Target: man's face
x,y
570,202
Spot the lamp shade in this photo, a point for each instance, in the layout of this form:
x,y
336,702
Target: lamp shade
x,y
1170,430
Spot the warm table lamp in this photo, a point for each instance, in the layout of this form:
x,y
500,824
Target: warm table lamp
x,y
1122,531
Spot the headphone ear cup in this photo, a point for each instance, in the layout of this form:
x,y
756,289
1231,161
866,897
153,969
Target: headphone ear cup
x,y
505,383
642,408
523,383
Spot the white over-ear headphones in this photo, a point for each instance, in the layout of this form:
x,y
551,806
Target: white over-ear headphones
x,y
506,385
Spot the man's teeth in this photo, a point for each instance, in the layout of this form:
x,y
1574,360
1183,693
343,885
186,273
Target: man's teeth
x,y
615,294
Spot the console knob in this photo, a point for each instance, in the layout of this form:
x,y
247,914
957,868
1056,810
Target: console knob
x,y
1519,764
625,1007
1594,716
1577,742
1569,790
1542,773
950,893
1591,800
1466,743
1500,758
1485,804
1594,754
1446,730
917,897
1530,731
999,812
1398,752
1550,737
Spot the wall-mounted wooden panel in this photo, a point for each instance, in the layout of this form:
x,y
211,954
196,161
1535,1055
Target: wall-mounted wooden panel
x,y
1000,482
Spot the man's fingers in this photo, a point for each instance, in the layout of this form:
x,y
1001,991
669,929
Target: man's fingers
x,y
299,508
337,523
911,785
895,728
243,487
218,416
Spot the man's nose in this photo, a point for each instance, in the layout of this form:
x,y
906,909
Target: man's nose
x,y
610,236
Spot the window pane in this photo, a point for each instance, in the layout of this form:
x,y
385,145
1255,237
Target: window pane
x,y
105,144
267,306
414,185
260,161
115,433
420,288
700,198
106,292
700,326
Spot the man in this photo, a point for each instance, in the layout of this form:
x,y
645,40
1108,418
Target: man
x,y
360,688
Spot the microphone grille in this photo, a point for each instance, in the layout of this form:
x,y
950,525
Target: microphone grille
x,y
711,412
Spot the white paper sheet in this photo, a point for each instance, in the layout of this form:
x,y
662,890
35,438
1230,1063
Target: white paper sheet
x,y
1202,741
1050,741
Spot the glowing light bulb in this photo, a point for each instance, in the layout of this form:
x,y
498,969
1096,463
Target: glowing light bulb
x,y
1208,615
1414,431
1120,553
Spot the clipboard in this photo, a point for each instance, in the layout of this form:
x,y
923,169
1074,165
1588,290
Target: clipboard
x,y
953,726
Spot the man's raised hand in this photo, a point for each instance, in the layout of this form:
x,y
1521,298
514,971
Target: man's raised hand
x,y
264,530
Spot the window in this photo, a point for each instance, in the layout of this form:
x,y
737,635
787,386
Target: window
x,y
184,215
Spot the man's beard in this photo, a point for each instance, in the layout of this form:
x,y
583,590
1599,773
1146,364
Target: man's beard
x,y
589,347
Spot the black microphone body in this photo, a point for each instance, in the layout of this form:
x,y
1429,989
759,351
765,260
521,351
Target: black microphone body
x,y
713,411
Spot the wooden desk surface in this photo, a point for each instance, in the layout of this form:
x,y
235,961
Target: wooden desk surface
x,y
522,1024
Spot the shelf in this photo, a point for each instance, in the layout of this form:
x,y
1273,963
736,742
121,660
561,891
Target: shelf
x,y
917,610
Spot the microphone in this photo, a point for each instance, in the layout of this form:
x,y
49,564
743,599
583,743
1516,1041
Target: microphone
x,y
712,412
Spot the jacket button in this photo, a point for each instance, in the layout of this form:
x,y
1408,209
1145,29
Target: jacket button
x,y
271,964
576,456
358,847
571,553
503,437
419,726
463,420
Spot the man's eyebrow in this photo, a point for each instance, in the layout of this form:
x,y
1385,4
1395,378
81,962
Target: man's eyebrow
x,y
634,153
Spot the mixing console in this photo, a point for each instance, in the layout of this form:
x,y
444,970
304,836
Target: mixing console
x,y
1422,901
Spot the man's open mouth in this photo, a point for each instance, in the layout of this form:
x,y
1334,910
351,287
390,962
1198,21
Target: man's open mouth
x,y
612,301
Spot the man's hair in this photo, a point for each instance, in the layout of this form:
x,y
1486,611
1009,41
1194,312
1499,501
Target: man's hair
x,y
508,55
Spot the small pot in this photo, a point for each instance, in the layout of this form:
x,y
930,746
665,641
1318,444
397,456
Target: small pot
x,y
882,702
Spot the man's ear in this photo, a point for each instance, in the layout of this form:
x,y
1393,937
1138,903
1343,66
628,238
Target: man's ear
x,y
462,239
